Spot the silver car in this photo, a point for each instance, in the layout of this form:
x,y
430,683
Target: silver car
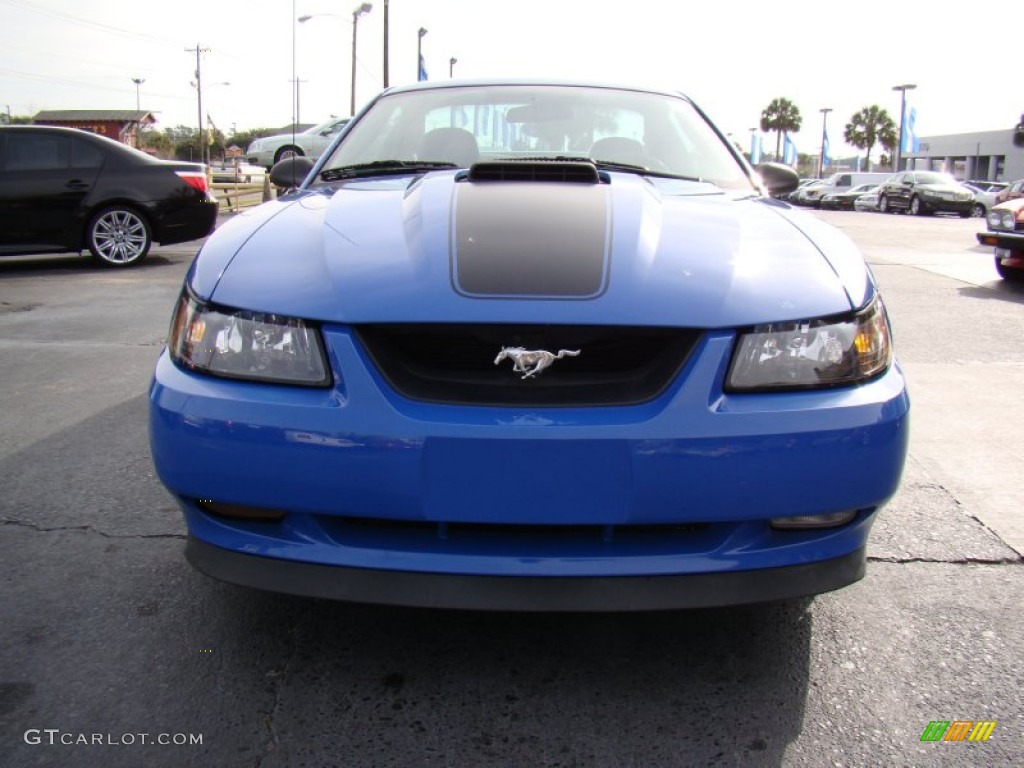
x,y
984,195
310,143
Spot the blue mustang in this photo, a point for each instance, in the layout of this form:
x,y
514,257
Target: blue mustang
x,y
530,346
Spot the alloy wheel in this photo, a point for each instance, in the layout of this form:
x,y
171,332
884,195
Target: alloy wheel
x,y
119,237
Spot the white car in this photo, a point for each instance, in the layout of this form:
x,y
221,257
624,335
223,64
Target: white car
x,y
984,195
868,202
310,143
234,170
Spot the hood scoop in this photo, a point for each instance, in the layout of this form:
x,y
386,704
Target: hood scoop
x,y
526,170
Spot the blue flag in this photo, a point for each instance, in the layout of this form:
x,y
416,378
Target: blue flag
x,y
826,161
910,140
755,148
789,156
423,68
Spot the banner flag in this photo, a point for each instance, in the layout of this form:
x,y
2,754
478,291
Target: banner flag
x,y
789,155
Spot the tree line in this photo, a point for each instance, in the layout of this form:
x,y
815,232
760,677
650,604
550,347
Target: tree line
x,y
867,127
181,142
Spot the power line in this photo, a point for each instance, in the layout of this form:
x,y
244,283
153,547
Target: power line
x,y
83,83
83,22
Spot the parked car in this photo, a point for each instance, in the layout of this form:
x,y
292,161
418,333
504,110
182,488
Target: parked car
x,y
235,170
842,181
310,143
984,195
1012,192
843,201
868,202
530,346
62,189
1006,235
802,183
924,192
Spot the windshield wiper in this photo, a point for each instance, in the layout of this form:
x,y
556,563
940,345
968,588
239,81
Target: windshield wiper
x,y
383,167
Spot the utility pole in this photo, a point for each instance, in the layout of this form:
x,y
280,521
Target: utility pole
x,y
204,148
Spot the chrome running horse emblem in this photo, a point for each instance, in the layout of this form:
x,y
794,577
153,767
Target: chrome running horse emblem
x,y
530,362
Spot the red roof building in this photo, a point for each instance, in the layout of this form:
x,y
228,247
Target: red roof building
x,y
119,125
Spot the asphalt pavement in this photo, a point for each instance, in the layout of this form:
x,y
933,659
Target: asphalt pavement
x,y
110,644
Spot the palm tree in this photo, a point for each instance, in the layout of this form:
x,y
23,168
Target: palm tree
x,y
781,116
869,126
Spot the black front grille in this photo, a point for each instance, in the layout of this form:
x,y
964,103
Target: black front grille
x,y
455,363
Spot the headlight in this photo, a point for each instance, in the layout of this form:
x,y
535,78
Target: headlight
x,y
246,345
1000,219
813,354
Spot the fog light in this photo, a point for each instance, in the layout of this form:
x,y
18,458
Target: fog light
x,y
831,520
239,512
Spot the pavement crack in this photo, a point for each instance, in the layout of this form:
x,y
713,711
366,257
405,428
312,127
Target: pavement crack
x,y
1018,560
278,679
88,529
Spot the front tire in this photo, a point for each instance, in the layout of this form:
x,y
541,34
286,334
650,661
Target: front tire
x,y
1010,274
915,208
118,237
978,211
285,152
883,205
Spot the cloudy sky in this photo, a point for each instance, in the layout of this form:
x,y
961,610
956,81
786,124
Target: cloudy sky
x,y
732,58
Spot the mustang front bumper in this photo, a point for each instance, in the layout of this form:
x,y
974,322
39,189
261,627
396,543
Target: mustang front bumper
x,y
665,504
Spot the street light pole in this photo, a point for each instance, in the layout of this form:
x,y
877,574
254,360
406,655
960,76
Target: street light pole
x,y
385,43
451,66
364,8
824,119
897,155
419,53
138,123
138,81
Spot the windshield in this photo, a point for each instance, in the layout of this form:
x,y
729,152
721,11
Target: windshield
x,y
468,124
928,177
324,127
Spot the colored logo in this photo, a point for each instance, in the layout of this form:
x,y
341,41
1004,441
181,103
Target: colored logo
x,y
958,730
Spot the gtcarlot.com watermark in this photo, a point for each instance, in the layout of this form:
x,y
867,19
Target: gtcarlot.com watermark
x,y
55,737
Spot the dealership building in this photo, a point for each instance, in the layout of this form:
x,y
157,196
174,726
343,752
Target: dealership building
x,y
989,155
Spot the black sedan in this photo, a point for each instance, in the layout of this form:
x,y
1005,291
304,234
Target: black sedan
x,y
63,189
922,192
843,201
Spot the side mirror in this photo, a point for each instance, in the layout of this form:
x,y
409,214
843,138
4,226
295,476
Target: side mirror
x,y
779,179
291,172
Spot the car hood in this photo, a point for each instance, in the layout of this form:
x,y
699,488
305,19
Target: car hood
x,y
438,248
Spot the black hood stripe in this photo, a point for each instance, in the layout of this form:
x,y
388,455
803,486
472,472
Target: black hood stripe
x,y
530,239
